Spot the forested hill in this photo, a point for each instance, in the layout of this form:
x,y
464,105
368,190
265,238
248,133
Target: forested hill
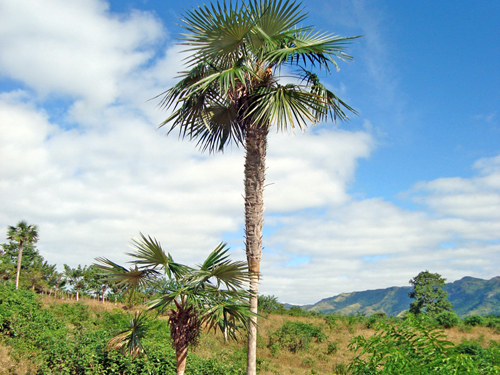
x,y
469,296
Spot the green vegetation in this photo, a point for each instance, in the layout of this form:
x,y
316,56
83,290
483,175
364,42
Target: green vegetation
x,y
428,294
21,235
48,335
44,335
413,348
72,339
295,336
211,296
469,296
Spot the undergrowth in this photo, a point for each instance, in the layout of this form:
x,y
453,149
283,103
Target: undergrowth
x,y
57,337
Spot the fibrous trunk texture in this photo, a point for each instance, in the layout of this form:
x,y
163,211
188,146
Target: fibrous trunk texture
x,y
19,260
255,171
184,325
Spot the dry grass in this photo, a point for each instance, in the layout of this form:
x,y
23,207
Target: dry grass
x,y
10,366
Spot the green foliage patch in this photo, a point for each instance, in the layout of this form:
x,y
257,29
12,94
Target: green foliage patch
x,y
71,339
414,348
295,336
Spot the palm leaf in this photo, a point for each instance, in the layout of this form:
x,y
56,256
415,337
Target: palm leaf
x,y
150,255
228,317
132,278
312,47
129,340
286,106
272,19
219,267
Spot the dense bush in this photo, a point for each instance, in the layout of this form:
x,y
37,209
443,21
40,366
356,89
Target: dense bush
x,y
448,319
295,336
474,320
414,348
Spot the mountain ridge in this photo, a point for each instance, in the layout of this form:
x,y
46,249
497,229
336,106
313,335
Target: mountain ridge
x,y
469,296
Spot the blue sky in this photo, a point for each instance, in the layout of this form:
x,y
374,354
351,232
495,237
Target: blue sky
x,y
413,183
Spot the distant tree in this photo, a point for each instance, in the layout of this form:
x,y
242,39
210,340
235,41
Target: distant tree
x,y
428,294
212,295
269,304
75,278
22,234
95,281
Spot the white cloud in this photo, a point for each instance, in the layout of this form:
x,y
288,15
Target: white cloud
x,y
74,48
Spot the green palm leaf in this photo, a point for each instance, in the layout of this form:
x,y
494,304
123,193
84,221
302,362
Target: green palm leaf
x,y
132,278
149,254
129,340
228,317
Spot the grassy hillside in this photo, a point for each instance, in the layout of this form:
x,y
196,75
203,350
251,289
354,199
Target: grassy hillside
x,y
43,335
469,296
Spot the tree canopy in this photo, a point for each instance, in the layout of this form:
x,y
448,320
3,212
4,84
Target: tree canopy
x,y
428,294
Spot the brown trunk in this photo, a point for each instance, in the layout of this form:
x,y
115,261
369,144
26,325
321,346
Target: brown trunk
x,y
255,170
19,260
181,352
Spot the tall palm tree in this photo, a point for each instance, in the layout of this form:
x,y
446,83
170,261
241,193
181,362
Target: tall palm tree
x,y
22,234
231,93
211,295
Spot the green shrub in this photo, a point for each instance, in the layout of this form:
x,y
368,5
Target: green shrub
x,y
340,369
474,320
408,348
332,347
332,320
295,336
269,304
448,319
375,319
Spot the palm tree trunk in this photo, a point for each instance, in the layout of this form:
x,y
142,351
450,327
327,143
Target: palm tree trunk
x,y
19,260
181,352
255,171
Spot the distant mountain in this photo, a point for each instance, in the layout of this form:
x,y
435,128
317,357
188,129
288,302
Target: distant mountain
x,y
469,296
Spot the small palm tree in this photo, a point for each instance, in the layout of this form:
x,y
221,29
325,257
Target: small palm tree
x,y
22,234
231,93
212,295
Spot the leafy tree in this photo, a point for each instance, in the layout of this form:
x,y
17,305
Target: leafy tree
x,y
212,295
75,278
22,234
231,93
428,294
269,304
95,281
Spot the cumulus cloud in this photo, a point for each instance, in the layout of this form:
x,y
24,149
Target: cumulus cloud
x,y
74,48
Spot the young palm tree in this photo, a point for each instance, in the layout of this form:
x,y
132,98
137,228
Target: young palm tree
x,y
232,93
211,295
22,234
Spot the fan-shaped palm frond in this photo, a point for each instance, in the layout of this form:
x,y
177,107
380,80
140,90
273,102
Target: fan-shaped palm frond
x,y
150,255
227,316
129,340
133,278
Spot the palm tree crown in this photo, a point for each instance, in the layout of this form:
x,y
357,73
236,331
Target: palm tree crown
x,y
232,92
238,53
